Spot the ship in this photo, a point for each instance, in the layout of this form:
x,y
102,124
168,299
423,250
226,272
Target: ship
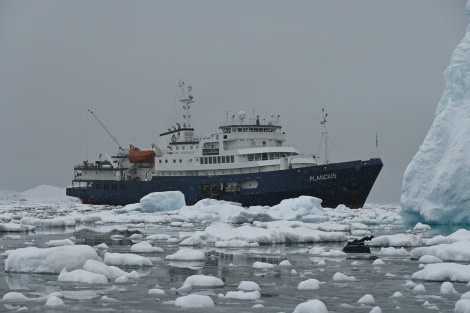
x,y
247,161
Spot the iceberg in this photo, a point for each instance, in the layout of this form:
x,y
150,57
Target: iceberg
x,y
436,182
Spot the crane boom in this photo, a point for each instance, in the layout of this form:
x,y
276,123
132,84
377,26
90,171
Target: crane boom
x,y
102,125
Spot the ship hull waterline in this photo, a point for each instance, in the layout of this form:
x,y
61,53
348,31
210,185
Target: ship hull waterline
x,y
347,183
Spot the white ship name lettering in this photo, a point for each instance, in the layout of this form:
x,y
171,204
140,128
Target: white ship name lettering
x,y
323,177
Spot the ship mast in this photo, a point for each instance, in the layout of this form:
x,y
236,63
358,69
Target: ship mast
x,y
324,136
186,100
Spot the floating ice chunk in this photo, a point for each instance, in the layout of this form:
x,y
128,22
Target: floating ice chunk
x,y
378,262
54,301
60,222
108,299
311,306
13,227
82,276
393,251
297,208
444,272
316,250
235,243
285,263
343,277
122,279
271,232
102,246
145,247
459,235
366,299
162,201
376,309
194,301
419,288
111,272
457,251
59,242
427,259
398,240
262,266
447,288
309,284
210,210
421,227
462,306
187,255
333,253
49,260
126,259
15,296
248,286
242,295
203,281
397,294
157,237
156,291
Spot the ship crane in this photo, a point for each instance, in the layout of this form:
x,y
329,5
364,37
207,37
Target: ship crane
x,y
104,127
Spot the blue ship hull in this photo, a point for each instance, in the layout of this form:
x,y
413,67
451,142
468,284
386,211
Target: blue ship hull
x,y
347,183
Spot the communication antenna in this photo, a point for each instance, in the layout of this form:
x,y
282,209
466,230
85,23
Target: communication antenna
x,y
104,127
324,136
377,145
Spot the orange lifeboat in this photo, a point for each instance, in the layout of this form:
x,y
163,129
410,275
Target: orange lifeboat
x,y
141,156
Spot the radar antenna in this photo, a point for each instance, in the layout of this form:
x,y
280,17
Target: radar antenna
x,y
104,127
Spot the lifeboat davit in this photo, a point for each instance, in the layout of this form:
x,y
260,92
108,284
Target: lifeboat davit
x,y
141,156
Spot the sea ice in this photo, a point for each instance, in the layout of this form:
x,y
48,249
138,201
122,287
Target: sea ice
x,y
49,260
187,255
82,276
194,301
453,272
462,306
54,302
126,259
311,306
437,180
242,295
247,285
162,201
457,251
309,284
144,247
202,281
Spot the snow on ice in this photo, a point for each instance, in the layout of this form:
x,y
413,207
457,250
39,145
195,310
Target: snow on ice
x,y
212,224
437,180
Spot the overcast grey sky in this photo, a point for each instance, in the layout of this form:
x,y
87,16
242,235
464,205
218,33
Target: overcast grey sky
x,y
375,66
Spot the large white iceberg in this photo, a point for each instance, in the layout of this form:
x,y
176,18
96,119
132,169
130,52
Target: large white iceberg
x,y
436,183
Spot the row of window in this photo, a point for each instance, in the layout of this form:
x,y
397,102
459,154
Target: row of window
x,y
269,156
231,159
183,147
106,186
217,159
248,130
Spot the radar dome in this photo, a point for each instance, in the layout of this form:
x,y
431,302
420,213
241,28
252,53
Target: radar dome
x,y
241,115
